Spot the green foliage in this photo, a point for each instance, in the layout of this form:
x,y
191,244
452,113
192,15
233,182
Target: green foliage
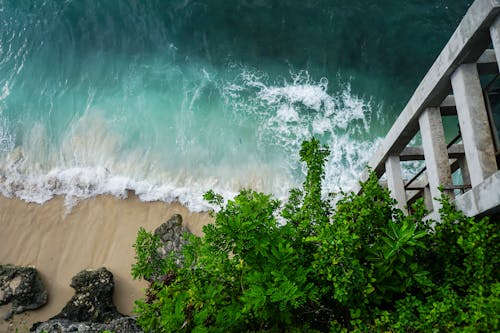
x,y
362,266
463,257
148,261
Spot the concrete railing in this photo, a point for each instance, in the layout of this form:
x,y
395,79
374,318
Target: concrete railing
x,y
452,86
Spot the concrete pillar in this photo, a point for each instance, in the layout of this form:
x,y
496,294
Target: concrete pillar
x,y
464,170
435,152
395,181
428,199
474,125
495,38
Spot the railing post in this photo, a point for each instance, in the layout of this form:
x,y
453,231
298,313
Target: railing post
x,y
495,38
464,170
429,203
474,125
395,181
435,153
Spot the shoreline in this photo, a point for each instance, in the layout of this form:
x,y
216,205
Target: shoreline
x,y
96,232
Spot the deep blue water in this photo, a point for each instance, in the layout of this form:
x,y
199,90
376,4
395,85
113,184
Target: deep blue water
x,y
171,98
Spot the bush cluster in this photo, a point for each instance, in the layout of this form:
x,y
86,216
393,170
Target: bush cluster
x,y
361,266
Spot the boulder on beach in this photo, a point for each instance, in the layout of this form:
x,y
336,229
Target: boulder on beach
x,y
93,299
171,234
91,309
22,288
120,325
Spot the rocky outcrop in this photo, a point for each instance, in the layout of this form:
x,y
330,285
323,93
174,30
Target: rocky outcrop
x,y
91,309
22,287
93,299
171,235
120,325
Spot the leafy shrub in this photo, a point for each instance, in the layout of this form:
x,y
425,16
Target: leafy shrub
x,y
304,266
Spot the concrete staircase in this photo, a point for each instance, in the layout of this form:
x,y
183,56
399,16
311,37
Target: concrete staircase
x,y
455,86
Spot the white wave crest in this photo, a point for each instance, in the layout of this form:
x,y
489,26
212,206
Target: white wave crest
x,y
303,108
95,155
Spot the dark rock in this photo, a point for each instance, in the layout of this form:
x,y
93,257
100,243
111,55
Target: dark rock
x,y
22,287
93,299
120,325
171,235
91,309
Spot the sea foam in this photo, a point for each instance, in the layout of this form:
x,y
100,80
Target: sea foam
x,y
95,154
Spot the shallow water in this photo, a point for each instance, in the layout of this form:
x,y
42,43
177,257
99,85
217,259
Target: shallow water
x,y
172,98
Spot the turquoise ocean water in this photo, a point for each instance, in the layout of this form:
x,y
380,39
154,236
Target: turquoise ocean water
x,y
172,98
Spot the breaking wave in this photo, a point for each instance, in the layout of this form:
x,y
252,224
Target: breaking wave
x,y
96,155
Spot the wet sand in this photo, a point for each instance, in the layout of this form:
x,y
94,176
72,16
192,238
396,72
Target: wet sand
x,y
97,232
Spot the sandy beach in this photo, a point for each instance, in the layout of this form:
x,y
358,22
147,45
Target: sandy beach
x,y
97,232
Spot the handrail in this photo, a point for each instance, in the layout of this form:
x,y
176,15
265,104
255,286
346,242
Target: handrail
x,y
466,45
452,142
